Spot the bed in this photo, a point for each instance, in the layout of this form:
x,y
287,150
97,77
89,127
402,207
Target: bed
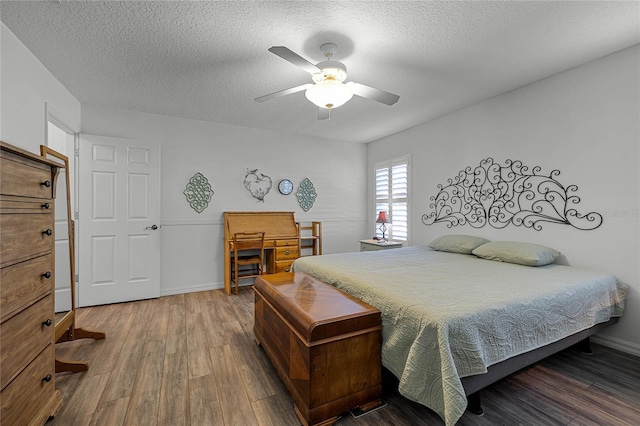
x,y
453,323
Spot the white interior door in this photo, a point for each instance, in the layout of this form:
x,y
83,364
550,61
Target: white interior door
x,y
119,220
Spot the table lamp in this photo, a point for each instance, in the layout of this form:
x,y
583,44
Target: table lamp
x,y
383,219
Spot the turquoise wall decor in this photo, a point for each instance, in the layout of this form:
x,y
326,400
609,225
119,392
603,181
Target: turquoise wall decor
x,y
198,192
306,194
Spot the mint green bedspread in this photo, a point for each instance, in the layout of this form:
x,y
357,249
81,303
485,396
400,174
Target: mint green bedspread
x,y
447,316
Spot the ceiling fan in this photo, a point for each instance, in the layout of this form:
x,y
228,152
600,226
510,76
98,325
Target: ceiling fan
x,y
328,90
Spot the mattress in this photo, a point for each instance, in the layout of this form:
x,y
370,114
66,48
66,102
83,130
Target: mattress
x,y
446,316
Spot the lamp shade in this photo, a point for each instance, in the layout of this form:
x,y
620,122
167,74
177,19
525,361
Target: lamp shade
x,y
382,218
329,94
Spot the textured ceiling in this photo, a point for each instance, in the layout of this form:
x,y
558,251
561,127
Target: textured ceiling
x,y
209,60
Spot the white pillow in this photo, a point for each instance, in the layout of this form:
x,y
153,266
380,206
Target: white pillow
x,y
463,244
519,253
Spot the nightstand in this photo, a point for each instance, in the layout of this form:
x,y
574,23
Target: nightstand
x,y
372,245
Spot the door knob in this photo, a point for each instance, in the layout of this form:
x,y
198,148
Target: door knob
x,y
152,227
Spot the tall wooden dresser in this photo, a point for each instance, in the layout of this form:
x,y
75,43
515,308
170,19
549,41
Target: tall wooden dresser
x,y
27,373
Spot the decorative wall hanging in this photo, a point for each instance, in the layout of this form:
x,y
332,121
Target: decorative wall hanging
x,y
257,184
500,195
198,192
306,194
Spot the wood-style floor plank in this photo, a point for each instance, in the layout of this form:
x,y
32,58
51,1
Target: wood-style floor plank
x,y
84,402
211,322
161,320
174,395
236,407
191,359
127,365
197,346
106,358
272,411
256,381
177,329
145,398
204,404
110,413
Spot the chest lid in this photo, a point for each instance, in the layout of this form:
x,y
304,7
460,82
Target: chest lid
x,y
314,309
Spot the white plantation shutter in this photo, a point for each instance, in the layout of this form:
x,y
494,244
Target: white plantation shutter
x,y
392,196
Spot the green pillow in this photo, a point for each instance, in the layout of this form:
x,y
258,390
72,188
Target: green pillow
x,y
463,244
519,253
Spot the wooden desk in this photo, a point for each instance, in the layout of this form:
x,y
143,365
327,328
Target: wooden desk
x,y
281,239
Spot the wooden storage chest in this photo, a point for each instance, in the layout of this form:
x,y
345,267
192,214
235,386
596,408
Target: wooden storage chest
x,y
324,344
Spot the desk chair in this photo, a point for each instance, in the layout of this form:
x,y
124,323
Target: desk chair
x,y
248,256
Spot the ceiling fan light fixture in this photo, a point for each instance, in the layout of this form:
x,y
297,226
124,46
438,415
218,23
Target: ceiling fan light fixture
x,y
328,90
329,94
330,70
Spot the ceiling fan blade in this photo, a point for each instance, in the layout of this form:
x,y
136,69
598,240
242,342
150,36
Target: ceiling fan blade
x,y
294,58
283,93
324,114
373,93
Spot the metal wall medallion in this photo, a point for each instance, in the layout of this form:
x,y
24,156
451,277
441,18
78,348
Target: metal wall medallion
x,y
257,184
198,192
306,194
500,195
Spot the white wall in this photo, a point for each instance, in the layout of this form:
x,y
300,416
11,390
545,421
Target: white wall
x,y
192,256
583,122
28,92
25,86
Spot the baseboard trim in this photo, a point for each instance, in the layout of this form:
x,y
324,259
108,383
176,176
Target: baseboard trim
x,y
194,288
190,289
615,343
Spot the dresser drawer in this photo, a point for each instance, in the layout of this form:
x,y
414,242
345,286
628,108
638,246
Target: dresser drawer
x,y
14,204
283,266
26,180
24,283
287,253
23,337
25,236
22,401
286,243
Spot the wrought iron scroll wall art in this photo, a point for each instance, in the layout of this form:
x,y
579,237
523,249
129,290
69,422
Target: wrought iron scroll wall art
x,y
198,192
500,195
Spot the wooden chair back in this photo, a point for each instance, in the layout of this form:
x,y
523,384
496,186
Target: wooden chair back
x,y
248,249
248,241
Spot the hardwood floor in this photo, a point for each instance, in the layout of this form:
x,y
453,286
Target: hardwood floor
x,y
191,359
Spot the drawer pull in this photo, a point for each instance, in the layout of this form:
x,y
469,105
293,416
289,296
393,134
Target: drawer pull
x,y
48,322
45,206
47,378
46,183
47,275
287,252
48,232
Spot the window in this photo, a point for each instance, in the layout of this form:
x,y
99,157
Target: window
x,y
392,196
